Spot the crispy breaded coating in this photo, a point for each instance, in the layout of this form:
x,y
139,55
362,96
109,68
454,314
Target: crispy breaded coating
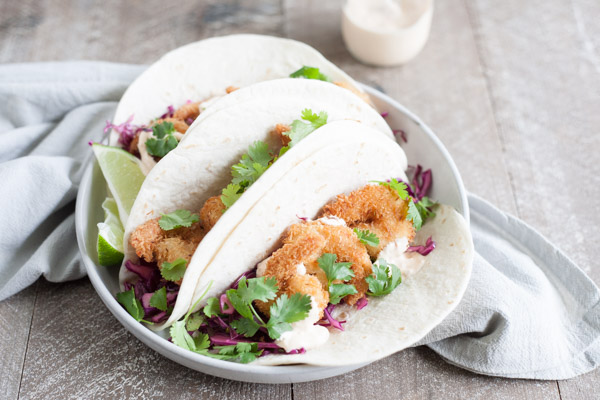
x,y
375,208
153,244
133,146
211,211
303,244
279,131
230,89
189,110
179,125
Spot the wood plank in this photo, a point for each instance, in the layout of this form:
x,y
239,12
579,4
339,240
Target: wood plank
x,y
543,69
15,322
420,374
77,349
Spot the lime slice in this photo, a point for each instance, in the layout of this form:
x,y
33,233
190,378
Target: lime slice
x,y
110,235
123,175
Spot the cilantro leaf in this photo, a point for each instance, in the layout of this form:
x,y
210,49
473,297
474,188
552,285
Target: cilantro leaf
x,y
246,327
367,237
337,291
162,141
310,73
181,337
250,290
212,307
414,215
131,304
231,194
194,322
423,207
285,311
177,219
385,278
398,187
244,352
333,270
159,299
201,342
252,165
299,129
173,271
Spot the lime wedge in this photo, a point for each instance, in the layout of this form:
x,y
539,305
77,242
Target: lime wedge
x,y
123,175
110,235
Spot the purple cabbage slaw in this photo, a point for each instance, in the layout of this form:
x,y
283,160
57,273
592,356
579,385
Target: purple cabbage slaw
x,y
149,281
126,131
423,249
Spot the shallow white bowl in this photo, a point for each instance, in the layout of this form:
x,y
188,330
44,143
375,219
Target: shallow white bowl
x,y
423,148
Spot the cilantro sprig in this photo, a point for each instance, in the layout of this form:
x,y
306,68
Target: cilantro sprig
x,y
283,312
367,237
159,299
385,278
173,271
418,210
132,305
177,219
310,73
162,140
300,129
337,272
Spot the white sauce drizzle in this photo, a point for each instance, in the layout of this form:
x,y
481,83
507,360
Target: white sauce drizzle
x,y
305,334
395,253
332,221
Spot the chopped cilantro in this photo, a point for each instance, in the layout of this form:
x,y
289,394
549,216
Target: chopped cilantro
x,y
212,307
337,272
231,194
162,141
367,237
385,278
245,352
177,219
131,304
252,165
398,187
285,311
414,215
194,322
310,73
159,299
173,271
299,129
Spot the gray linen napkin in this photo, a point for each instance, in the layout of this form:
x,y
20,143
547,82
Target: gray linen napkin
x,y
529,311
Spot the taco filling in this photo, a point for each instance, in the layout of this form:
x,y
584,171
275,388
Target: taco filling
x,y
285,304
165,245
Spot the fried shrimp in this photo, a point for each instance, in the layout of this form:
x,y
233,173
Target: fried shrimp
x,y
186,112
179,125
211,211
279,131
375,208
153,244
297,270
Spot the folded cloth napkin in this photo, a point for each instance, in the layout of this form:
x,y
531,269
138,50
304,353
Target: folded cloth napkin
x,y
529,312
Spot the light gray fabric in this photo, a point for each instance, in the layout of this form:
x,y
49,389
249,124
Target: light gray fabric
x,y
529,312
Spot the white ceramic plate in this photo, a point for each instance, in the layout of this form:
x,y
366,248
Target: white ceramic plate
x,y
423,148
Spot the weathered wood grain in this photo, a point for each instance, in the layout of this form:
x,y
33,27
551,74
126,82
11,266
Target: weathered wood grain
x,y
15,322
77,349
511,88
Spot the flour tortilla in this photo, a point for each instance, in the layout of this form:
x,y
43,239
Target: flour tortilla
x,y
194,171
388,324
206,68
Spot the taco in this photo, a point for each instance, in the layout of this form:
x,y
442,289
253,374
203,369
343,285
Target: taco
x,y
195,197
339,262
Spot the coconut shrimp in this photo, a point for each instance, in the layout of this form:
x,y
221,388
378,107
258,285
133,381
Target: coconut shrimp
x,y
375,208
297,270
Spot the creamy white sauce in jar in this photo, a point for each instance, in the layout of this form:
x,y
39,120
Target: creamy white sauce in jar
x,y
386,32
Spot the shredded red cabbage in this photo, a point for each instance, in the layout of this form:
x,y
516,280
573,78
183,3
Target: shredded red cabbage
x,y
248,275
385,114
126,130
423,249
224,301
421,182
302,218
362,303
401,133
330,320
169,113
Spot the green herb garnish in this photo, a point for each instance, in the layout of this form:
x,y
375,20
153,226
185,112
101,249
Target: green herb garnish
x,y
300,129
418,211
337,272
132,305
159,299
162,140
310,73
367,237
385,278
177,219
173,271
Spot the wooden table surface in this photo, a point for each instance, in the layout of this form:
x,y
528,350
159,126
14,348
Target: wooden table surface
x,y
511,87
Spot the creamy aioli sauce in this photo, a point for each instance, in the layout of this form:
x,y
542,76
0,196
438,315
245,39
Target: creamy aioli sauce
x,y
386,32
332,221
305,334
395,253
262,267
